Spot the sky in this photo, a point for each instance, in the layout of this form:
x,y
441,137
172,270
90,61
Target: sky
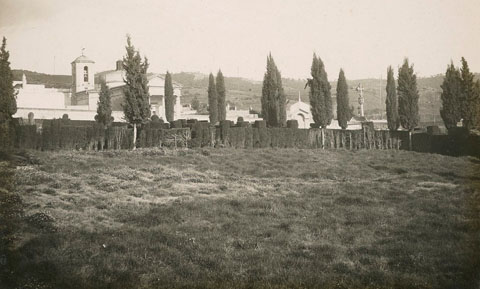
x,y
363,37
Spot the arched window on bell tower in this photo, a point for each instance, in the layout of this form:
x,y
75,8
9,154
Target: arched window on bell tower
x,y
85,74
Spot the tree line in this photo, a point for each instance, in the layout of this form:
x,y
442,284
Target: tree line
x,y
460,96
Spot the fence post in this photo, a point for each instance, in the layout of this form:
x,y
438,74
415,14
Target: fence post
x,y
322,134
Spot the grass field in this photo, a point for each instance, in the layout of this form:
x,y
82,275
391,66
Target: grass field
x,y
283,218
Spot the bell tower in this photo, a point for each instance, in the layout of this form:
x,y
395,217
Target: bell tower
x,y
83,74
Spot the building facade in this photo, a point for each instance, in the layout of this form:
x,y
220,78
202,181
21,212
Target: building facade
x,y
156,88
80,102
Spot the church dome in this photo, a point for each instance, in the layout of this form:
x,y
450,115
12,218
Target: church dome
x,y
83,59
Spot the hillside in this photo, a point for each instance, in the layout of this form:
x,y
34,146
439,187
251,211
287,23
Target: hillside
x,y
56,81
246,93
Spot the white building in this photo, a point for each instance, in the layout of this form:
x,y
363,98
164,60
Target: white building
x,y
80,102
156,88
302,113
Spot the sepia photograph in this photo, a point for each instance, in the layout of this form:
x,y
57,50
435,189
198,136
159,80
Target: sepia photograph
x,y
239,144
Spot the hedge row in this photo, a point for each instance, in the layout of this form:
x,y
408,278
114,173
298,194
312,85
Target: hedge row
x,y
61,134
154,137
259,136
57,135
452,144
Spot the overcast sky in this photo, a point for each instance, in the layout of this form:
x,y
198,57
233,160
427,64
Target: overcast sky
x,y
362,37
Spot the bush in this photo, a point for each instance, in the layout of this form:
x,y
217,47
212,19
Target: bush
x,y
292,123
31,118
260,124
176,124
7,135
155,118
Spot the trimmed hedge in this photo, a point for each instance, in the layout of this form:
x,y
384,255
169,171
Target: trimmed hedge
x,y
259,136
62,134
58,134
292,123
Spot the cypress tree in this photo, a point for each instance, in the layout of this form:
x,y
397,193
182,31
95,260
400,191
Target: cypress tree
x,y
212,100
391,102
470,97
169,98
273,97
220,85
195,104
451,111
320,95
104,106
136,106
282,101
343,106
8,102
407,98
476,111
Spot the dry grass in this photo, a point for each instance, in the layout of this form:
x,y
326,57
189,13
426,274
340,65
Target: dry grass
x,y
249,218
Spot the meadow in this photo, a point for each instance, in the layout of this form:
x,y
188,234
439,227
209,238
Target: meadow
x,y
258,218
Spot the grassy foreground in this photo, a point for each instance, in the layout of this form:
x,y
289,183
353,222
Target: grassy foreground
x,y
247,218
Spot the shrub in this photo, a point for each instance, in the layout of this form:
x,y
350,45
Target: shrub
x,y
260,124
31,118
155,118
292,123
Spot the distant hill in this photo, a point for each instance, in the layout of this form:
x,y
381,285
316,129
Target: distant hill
x,y
55,81
246,93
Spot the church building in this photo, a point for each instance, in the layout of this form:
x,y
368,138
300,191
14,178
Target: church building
x,y
80,102
301,112
156,88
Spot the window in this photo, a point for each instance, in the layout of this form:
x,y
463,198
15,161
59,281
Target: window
x,y
85,74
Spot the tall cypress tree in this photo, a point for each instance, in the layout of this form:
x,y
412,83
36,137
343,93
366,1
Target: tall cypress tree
x,y
169,98
470,97
212,100
220,85
451,111
282,101
343,106
136,106
320,95
273,97
104,106
408,98
476,111
391,101
8,102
